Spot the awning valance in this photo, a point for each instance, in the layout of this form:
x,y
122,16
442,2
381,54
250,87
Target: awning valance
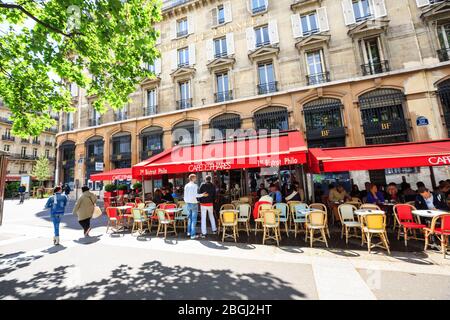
x,y
287,148
375,157
117,174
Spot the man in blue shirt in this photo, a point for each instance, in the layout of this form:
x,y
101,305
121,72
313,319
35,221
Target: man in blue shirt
x,y
275,193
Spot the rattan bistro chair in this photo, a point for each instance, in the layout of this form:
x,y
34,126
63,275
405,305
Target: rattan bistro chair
x,y
369,206
164,222
284,215
299,218
271,225
406,222
244,217
316,221
321,207
229,220
139,218
260,219
375,225
347,217
226,206
442,232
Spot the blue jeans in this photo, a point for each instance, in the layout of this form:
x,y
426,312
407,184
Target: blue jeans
x,y
192,210
56,219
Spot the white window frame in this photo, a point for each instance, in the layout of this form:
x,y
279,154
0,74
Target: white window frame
x,y
223,47
184,56
260,30
153,106
308,22
180,23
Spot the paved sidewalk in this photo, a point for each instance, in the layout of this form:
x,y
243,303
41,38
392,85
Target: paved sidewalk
x,y
122,266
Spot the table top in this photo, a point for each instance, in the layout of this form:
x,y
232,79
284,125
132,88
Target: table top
x,y
307,210
173,210
427,213
124,207
366,212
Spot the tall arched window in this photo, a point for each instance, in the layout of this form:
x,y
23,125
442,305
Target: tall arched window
x,y
224,122
151,142
383,117
444,95
94,156
324,125
186,132
272,118
121,150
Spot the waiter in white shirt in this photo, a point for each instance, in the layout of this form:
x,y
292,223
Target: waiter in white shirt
x,y
190,198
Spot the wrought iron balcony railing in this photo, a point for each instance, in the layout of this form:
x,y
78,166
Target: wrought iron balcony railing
x,y
444,54
223,96
36,142
5,120
67,127
184,104
120,116
259,9
318,78
8,138
150,110
375,67
183,64
365,17
122,156
222,54
265,88
263,43
182,33
94,122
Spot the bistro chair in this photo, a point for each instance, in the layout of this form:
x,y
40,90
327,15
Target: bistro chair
x,y
182,217
260,219
271,225
355,202
292,205
375,225
299,217
442,232
284,215
405,220
139,218
235,203
228,206
347,217
244,200
321,207
141,205
181,203
164,222
114,219
244,217
369,206
138,200
316,221
166,206
229,220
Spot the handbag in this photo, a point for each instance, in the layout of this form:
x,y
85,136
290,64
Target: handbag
x,y
97,211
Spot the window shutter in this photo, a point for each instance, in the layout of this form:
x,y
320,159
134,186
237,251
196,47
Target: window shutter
x,y
230,44
210,49
173,59
158,66
191,25
273,32
228,12
296,26
379,8
422,3
158,39
266,2
349,15
251,39
214,17
322,19
192,56
173,30
249,6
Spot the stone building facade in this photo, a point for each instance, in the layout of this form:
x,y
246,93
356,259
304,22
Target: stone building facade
x,y
344,72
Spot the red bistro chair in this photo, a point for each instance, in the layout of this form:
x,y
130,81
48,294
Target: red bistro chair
x,y
406,223
442,232
114,219
166,206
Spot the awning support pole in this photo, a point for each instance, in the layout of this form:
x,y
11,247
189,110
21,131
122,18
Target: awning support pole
x,y
433,178
143,189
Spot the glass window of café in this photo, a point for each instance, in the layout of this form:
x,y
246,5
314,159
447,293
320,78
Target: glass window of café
x,y
272,118
222,123
186,133
121,151
151,142
94,156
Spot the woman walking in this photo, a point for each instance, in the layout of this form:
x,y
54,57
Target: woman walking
x,y
84,209
57,204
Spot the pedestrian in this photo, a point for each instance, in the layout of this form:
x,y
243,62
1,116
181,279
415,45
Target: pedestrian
x,y
190,198
57,204
22,191
207,206
67,190
84,209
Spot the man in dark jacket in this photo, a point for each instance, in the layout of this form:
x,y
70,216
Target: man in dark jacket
x,y
426,200
207,205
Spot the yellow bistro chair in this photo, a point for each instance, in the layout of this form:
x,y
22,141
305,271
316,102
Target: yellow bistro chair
x,y
375,225
321,207
316,221
229,220
271,225
260,219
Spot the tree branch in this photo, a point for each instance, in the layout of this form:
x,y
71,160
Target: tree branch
x,y
30,15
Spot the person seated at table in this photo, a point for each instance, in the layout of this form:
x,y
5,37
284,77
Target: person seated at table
x,y
292,195
420,185
166,195
157,197
338,194
426,200
355,193
275,193
392,192
365,192
374,196
262,191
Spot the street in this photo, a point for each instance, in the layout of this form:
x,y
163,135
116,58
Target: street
x,y
122,266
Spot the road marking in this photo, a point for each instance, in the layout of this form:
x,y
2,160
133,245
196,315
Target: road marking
x,y
338,279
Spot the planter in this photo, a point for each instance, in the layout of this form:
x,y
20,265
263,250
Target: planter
x,y
121,192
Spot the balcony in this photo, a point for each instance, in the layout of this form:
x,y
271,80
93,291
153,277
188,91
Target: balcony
x,y
223,96
8,138
222,54
443,54
259,9
264,43
375,68
94,122
182,33
23,172
150,111
221,20
184,104
364,18
266,88
24,141
5,120
48,144
184,64
67,127
36,142
52,130
317,78
120,116
121,156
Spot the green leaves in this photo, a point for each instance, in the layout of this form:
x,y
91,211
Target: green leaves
x,y
41,169
100,45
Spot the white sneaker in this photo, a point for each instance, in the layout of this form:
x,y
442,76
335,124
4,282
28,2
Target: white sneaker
x,y
56,241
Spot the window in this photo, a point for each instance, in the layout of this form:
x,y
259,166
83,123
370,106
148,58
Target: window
x,y
73,89
8,133
444,95
272,118
224,126
47,153
223,87
362,10
220,47
316,68
262,36
69,122
35,152
259,6
120,114
22,168
95,121
309,24
151,142
444,41
266,78
185,101
186,132
183,57
6,147
152,102
373,57
182,27
221,14
23,152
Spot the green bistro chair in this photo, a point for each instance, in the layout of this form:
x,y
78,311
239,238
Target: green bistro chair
x,y
139,219
299,217
164,222
182,217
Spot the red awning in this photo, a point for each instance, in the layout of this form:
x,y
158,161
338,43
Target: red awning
x,y
399,155
287,148
117,174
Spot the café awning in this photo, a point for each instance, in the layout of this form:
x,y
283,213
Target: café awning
x,y
117,174
375,157
286,148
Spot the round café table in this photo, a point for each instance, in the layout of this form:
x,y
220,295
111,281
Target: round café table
x,y
427,213
122,212
362,213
